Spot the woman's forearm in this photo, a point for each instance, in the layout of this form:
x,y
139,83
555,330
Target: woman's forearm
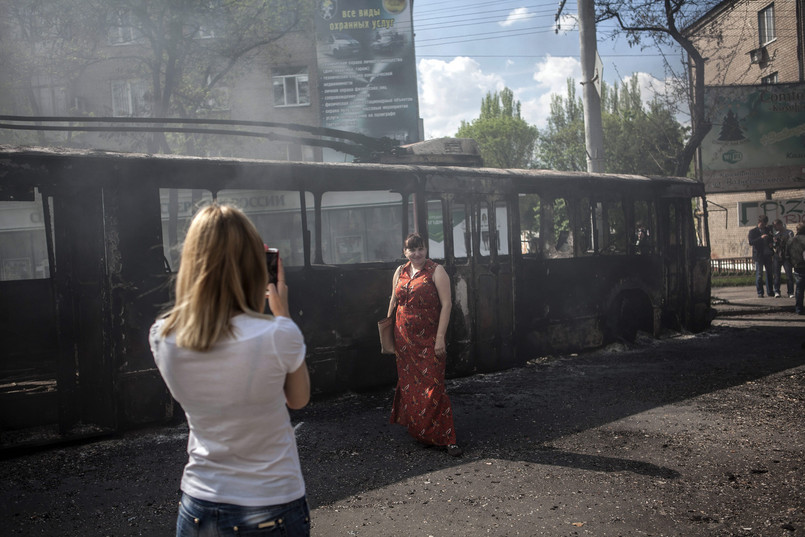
x,y
444,320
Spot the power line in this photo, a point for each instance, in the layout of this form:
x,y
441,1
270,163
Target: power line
x,y
484,36
502,14
480,36
534,56
467,6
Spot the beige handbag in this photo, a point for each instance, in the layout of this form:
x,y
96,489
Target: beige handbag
x,y
386,329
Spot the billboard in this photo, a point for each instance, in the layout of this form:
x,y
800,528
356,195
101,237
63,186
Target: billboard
x,y
758,138
367,70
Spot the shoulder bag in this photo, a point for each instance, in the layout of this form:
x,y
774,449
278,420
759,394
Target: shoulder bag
x,y
386,329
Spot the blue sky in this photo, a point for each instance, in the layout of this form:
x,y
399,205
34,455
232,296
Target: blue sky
x,y
465,49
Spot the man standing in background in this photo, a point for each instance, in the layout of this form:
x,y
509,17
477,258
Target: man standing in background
x,y
760,237
782,236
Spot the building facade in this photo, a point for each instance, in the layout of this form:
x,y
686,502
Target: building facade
x,y
303,73
752,48
299,63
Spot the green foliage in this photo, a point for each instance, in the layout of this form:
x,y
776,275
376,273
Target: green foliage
x,y
637,139
562,145
529,212
720,279
505,139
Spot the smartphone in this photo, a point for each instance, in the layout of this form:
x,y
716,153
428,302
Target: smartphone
x,y
272,259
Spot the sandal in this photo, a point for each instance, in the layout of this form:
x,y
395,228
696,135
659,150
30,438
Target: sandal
x,y
454,450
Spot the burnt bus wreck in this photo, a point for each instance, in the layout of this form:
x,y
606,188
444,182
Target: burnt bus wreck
x,y
539,261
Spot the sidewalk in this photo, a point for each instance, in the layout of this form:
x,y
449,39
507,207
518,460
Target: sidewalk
x,y
744,300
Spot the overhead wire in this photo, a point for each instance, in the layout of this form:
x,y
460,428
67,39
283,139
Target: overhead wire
x,y
469,5
501,14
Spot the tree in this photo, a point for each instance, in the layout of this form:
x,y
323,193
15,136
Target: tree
x,y
662,23
562,143
637,139
504,138
191,46
184,49
49,46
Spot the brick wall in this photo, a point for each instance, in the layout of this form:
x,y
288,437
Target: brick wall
x,y
726,36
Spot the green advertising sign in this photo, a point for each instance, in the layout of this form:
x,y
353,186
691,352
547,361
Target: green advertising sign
x,y
757,141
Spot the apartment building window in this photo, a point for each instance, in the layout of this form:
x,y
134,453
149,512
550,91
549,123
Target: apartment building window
x,y
130,98
771,79
51,99
291,87
121,31
765,20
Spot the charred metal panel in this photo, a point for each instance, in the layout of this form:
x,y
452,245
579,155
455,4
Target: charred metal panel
x,y
363,295
323,364
85,381
95,364
505,327
28,330
138,292
143,398
460,352
570,335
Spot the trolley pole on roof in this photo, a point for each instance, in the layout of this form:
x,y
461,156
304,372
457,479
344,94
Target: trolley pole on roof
x,y
591,75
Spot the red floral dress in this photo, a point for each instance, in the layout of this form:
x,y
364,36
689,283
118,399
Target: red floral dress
x,y
420,401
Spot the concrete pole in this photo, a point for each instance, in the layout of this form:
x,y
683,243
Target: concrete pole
x,y
593,129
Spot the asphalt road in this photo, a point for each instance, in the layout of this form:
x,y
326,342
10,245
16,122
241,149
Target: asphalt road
x,y
689,435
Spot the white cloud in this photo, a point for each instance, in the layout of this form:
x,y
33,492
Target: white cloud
x,y
551,76
517,15
649,86
450,92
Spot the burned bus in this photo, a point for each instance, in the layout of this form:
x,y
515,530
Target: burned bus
x,y
539,262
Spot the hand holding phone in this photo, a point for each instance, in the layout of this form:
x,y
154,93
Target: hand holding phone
x,y
272,262
277,294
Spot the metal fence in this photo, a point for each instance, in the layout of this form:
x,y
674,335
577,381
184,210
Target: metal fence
x,y
732,265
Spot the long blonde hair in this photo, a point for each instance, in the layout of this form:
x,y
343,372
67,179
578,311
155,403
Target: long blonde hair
x,y
222,273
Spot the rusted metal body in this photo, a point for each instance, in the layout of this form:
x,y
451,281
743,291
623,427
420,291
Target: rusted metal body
x,y
75,352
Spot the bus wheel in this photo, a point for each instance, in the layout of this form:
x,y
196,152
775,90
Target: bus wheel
x,y
626,317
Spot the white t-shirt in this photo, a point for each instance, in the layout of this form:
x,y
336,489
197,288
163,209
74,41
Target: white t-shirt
x,y
241,446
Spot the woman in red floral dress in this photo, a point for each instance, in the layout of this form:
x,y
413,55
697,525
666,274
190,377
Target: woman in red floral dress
x,y
422,297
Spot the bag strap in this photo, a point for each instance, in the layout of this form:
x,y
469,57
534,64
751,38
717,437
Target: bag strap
x,y
397,275
396,279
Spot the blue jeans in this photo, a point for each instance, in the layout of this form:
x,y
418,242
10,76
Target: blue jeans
x,y
800,292
778,265
199,518
759,266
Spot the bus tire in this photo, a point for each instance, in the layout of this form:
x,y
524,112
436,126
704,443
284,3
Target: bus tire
x,y
629,313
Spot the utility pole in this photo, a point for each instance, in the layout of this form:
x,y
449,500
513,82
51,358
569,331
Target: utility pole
x,y
593,128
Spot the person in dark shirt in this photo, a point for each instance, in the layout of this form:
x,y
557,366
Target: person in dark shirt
x,y
761,239
782,235
796,256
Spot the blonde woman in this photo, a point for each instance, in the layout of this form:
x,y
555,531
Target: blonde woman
x,y
234,370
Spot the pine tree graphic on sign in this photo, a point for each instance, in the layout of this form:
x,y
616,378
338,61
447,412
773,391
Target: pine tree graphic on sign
x,y
731,129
